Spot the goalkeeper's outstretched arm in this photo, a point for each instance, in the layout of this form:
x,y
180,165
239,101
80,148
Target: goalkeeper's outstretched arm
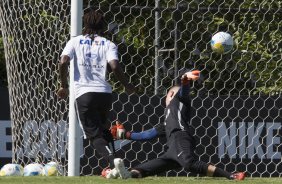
x,y
119,132
184,91
155,132
144,135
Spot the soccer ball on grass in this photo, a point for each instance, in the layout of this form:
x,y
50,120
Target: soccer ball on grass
x,y
33,169
50,169
222,43
11,170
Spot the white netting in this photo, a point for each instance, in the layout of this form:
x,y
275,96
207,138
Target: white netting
x,y
236,103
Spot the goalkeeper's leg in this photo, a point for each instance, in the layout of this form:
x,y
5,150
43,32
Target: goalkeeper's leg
x,y
183,152
218,172
153,167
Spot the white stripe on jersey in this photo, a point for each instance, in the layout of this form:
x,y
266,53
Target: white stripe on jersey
x,y
167,114
179,115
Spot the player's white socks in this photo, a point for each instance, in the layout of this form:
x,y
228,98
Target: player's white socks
x,y
122,171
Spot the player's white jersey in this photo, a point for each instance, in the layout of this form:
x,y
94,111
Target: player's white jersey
x,y
90,59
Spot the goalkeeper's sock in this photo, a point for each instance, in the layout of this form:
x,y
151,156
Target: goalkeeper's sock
x,y
218,172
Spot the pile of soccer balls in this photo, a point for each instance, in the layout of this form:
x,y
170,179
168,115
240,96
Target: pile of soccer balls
x,y
33,169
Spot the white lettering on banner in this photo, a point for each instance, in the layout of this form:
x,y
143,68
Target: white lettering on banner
x,y
246,140
5,139
273,140
50,139
228,141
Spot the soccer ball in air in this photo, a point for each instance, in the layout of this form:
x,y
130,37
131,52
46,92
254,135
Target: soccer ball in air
x,y
11,170
222,43
50,169
33,169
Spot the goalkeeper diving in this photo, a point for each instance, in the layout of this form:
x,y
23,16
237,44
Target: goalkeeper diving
x,y
180,140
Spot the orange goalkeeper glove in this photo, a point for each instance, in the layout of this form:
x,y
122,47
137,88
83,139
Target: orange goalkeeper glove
x,y
118,131
193,75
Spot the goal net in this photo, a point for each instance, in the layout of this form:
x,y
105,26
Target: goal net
x,y
236,105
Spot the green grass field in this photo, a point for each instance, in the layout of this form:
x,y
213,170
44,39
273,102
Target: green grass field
x,y
149,180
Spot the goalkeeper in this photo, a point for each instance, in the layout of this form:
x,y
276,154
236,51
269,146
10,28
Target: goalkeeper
x,y
180,140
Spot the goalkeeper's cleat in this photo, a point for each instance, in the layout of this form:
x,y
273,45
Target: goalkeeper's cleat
x,y
110,173
238,176
122,171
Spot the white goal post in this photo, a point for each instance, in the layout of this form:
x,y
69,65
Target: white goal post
x,y
74,133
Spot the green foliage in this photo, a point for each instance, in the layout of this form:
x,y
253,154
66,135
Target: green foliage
x,y
253,66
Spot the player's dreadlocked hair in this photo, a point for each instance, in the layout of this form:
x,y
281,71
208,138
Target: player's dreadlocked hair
x,y
93,22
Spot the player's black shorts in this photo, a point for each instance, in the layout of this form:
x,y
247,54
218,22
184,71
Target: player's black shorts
x,y
179,154
92,109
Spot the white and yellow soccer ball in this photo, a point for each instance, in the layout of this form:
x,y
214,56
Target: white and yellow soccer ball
x,y
33,169
222,43
50,169
11,170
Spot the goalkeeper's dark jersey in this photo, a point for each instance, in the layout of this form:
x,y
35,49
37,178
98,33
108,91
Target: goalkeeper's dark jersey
x,y
177,118
177,114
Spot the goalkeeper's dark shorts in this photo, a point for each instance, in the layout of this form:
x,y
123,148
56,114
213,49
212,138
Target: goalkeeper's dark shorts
x,y
179,154
92,111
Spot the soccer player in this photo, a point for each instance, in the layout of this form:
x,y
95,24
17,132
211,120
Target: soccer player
x,y
91,54
180,140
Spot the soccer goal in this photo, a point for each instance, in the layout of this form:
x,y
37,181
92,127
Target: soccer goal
x,y
236,105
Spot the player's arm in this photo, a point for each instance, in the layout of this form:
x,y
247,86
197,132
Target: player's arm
x,y
66,56
63,74
63,70
112,58
119,132
185,84
116,69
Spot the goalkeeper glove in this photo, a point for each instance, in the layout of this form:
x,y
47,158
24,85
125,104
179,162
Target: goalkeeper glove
x,y
194,75
118,131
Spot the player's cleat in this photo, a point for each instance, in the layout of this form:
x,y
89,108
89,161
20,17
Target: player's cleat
x,y
105,171
110,173
238,176
122,171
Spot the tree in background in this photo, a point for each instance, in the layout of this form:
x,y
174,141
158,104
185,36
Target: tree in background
x,y
253,67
